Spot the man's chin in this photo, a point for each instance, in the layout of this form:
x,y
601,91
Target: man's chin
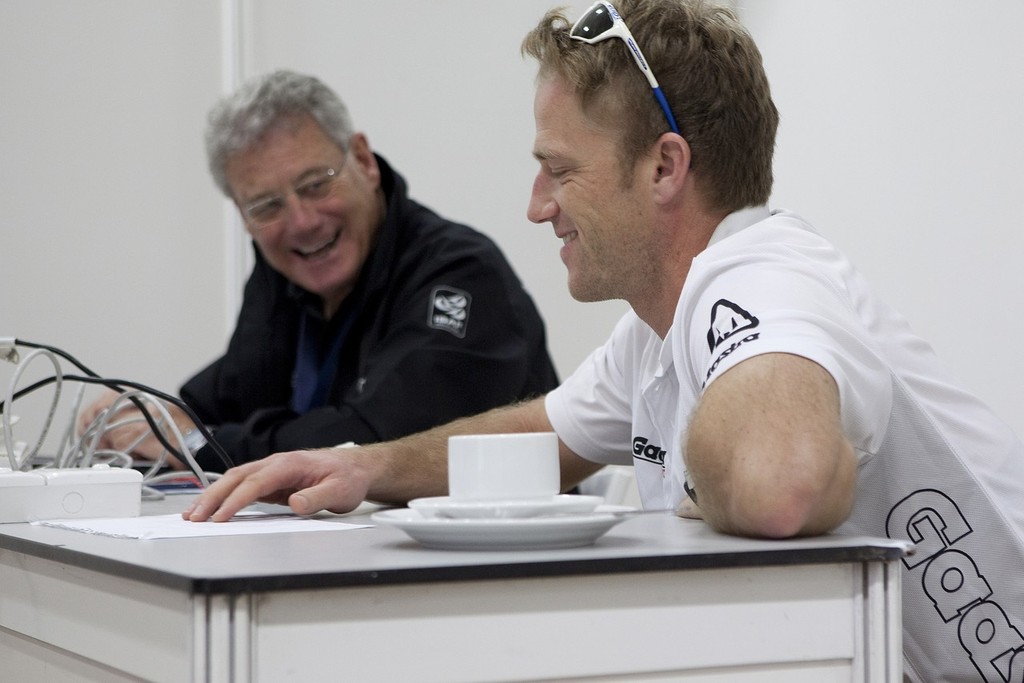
x,y
587,292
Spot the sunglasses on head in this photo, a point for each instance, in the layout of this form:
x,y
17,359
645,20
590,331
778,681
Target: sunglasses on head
x,y
602,22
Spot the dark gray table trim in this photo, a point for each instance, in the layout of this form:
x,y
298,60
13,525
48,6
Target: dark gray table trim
x,y
456,571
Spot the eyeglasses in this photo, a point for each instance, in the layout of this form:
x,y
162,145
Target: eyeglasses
x,y
313,186
602,22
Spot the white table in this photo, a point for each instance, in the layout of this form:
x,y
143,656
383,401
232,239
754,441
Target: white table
x,y
657,598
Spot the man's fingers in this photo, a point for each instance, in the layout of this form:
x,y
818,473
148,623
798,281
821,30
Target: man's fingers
x,y
271,479
308,481
334,494
214,496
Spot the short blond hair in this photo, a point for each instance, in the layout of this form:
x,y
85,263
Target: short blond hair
x,y
713,78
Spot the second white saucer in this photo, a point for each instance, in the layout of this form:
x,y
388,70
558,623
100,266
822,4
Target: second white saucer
x,y
447,507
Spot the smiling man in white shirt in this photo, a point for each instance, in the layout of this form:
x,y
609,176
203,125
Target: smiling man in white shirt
x,y
758,381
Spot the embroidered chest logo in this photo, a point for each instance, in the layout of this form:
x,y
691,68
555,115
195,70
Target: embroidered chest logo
x,y
728,319
449,310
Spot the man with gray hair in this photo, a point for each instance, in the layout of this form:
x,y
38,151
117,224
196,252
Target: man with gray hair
x,y
367,316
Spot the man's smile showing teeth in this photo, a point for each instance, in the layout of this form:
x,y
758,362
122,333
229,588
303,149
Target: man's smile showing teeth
x,y
569,237
316,251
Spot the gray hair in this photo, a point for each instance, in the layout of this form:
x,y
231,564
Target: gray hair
x,y
239,120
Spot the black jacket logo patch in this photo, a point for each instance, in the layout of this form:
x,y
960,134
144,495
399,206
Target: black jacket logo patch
x,y
449,310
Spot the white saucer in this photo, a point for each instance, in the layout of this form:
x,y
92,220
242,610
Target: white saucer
x,y
445,506
529,533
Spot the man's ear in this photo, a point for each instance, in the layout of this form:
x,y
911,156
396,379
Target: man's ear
x,y
672,156
362,153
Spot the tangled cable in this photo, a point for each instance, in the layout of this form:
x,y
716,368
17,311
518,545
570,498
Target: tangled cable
x,y
83,450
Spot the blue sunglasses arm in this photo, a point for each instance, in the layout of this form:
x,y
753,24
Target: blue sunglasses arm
x,y
668,112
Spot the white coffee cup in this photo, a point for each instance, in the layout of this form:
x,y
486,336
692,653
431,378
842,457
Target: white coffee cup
x,y
503,466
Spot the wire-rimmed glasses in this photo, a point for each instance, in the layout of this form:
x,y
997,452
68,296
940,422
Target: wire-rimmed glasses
x,y
313,186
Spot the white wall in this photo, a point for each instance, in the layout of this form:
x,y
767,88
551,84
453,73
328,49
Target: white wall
x,y
899,138
111,244
902,138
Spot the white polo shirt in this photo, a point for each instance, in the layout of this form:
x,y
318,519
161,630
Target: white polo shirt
x,y
935,466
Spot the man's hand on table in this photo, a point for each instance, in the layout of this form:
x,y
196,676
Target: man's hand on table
x,y
306,481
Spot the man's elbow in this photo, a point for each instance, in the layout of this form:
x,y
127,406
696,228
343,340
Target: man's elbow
x,y
784,511
794,516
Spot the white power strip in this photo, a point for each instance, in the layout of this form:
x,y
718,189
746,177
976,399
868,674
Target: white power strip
x,y
73,493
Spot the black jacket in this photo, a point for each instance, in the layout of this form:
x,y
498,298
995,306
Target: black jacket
x,y
403,366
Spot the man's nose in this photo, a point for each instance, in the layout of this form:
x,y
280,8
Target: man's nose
x,y
542,205
299,212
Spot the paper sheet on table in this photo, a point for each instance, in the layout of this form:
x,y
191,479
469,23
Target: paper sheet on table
x,y
173,526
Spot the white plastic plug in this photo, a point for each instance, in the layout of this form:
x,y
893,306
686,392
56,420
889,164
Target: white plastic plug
x,y
9,349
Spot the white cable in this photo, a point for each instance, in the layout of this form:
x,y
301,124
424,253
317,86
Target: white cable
x,y
130,448
76,453
154,466
104,426
84,449
113,458
62,452
150,493
100,426
81,456
17,464
8,432
165,423
170,476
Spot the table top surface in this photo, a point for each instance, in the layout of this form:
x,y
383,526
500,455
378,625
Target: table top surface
x,y
386,555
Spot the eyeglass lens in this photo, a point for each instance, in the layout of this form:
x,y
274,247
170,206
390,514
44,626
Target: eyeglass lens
x,y
594,23
271,209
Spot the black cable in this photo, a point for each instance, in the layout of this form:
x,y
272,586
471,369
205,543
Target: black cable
x,y
63,354
119,384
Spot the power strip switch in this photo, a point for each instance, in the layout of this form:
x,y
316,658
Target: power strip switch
x,y
72,493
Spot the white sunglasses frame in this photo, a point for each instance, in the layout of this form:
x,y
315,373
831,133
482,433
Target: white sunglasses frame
x,y
619,30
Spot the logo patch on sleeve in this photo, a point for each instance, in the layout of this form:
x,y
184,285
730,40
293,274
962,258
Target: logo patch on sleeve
x,y
728,319
449,310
